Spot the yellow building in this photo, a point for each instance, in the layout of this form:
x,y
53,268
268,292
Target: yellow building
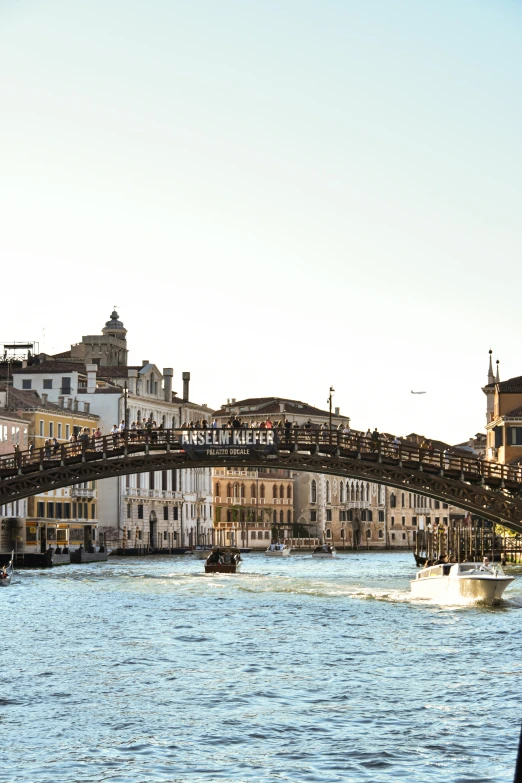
x,y
504,428
252,507
65,517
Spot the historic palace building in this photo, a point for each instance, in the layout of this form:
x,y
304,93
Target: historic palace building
x,y
252,507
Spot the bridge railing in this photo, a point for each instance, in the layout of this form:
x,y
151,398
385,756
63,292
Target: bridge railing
x,y
357,444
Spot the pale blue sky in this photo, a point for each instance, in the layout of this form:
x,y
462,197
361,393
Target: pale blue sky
x,y
277,195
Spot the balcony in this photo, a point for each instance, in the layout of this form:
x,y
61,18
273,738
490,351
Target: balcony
x,y
166,494
80,492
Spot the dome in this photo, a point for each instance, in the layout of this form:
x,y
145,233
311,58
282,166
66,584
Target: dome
x,y
114,323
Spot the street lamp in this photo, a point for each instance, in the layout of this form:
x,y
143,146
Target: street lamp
x,y
330,398
125,405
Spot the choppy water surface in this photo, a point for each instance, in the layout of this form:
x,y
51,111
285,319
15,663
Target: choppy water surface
x,y
294,670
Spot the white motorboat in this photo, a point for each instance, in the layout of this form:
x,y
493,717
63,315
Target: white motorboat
x,y
277,550
6,573
201,552
324,551
453,583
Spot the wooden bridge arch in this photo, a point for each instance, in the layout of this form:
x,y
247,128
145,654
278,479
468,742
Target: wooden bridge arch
x,y
487,489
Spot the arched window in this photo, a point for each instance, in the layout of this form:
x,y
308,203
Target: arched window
x,y
313,491
328,500
253,491
262,491
350,515
368,533
274,492
275,517
281,518
229,490
289,492
341,492
393,500
242,489
218,489
367,491
352,493
236,490
281,492
138,416
357,492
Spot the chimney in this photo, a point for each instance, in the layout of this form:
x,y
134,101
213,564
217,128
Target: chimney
x,y
69,402
75,404
281,407
144,362
61,402
44,398
186,381
168,373
91,378
337,411
86,407
132,381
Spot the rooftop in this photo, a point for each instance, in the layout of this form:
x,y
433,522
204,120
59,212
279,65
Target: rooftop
x,y
253,406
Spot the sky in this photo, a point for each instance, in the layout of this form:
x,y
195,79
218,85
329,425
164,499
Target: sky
x,y
278,196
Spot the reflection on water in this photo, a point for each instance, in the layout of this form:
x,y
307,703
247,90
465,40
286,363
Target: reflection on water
x,y
293,670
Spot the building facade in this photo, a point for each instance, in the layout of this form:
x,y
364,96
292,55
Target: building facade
x,y
160,509
252,507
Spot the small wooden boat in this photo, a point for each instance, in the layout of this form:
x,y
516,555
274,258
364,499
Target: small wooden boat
x,y
6,573
324,551
223,560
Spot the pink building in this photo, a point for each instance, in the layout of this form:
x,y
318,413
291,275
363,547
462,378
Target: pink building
x,y
13,432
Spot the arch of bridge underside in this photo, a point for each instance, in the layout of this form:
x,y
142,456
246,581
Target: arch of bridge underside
x,y
492,491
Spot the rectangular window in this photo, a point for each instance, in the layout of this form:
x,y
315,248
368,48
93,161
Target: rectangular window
x,y
85,511
66,510
164,535
59,511
328,533
328,514
59,430
403,521
51,429
414,520
67,431
342,532
129,511
140,535
41,429
175,480
93,510
515,436
393,536
437,504
445,520
48,383
27,384
140,511
392,521
444,505
164,481
404,536
381,516
175,513
165,512
151,480
313,516
74,510
50,511
40,510
66,385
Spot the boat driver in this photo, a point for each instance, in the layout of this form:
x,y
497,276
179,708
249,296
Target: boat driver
x,y
485,565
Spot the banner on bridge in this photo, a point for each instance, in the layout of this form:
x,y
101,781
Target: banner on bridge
x,y
229,443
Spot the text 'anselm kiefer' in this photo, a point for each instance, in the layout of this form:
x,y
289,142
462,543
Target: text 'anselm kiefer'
x,y
227,438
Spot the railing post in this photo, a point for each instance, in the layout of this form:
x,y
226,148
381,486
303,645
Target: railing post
x,y
41,459
62,454
167,434
104,446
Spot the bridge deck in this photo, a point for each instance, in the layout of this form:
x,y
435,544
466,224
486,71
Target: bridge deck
x,y
354,445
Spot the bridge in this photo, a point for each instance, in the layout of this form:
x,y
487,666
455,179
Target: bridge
x,y
487,489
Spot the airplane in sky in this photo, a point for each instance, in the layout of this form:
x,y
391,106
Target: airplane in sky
x,y
417,392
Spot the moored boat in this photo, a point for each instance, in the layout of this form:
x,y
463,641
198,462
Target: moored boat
x,y
6,573
277,550
461,583
201,552
324,551
223,560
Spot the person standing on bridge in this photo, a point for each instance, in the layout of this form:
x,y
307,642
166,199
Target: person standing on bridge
x,y
375,439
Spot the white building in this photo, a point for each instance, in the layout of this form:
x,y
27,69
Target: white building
x,y
160,509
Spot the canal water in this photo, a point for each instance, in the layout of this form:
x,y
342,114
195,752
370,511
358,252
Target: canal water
x,y
294,670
